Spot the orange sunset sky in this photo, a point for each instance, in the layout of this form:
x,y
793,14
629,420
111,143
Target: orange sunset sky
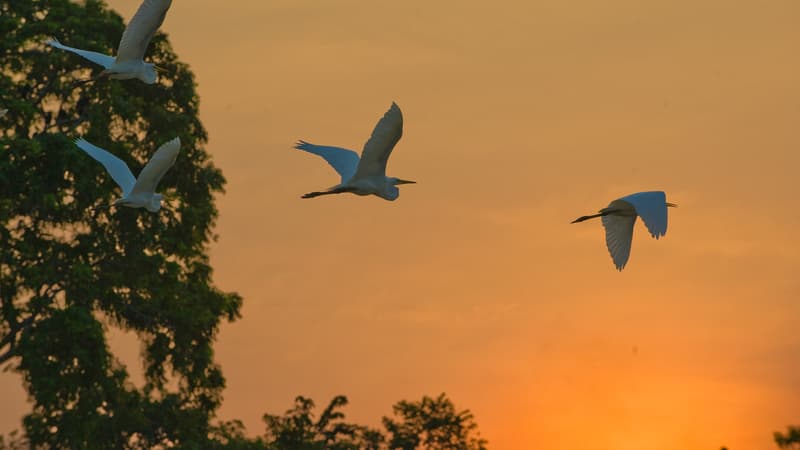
x,y
520,116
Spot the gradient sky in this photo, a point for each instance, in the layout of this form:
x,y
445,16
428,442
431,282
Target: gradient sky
x,y
519,116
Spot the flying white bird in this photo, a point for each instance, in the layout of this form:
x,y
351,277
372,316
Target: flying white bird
x,y
620,215
366,175
136,192
3,112
129,62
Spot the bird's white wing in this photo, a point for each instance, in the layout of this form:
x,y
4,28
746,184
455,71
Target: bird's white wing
x,y
376,152
97,58
344,161
3,112
141,29
158,165
115,167
619,234
652,208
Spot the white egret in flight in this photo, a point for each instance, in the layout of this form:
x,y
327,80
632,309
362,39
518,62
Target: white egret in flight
x,y
136,192
366,175
129,62
620,215
3,112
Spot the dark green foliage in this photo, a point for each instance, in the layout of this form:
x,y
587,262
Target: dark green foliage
x,y
790,440
432,424
67,272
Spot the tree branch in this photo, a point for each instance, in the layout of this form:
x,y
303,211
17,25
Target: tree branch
x,y
58,123
10,339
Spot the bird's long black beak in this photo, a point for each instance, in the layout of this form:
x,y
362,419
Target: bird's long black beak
x,y
672,205
399,181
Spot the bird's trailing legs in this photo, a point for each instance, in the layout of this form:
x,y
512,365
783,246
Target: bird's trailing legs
x,y
336,190
99,76
605,212
602,213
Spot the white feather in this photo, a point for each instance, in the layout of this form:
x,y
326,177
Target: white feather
x,y
97,58
652,208
619,235
342,160
367,175
379,147
129,62
141,29
115,167
154,170
136,193
619,218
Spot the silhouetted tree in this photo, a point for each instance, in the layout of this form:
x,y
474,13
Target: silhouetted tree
x,y
13,442
432,424
231,436
68,272
790,440
298,429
